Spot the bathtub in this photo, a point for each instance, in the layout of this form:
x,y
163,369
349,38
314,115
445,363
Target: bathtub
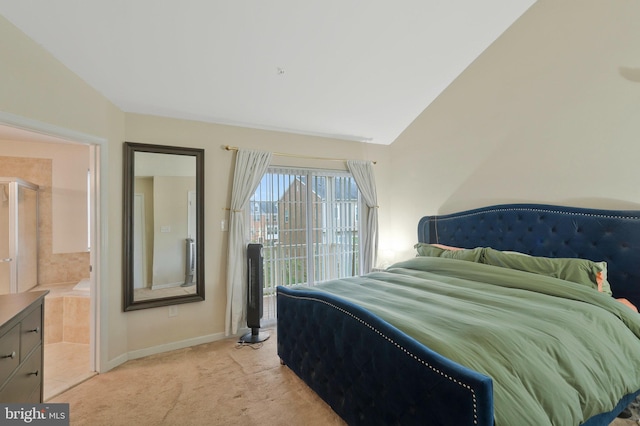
x,y
83,285
66,313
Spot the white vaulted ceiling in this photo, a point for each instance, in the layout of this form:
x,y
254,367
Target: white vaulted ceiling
x,y
349,69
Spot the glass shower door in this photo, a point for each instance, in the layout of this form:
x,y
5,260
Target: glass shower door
x,y
18,235
27,247
5,250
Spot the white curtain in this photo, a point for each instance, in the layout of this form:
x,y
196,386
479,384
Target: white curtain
x,y
362,172
249,169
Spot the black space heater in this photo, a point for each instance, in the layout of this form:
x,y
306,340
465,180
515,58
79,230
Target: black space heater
x,y
255,282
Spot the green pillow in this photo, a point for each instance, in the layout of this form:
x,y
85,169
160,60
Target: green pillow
x,y
471,255
579,271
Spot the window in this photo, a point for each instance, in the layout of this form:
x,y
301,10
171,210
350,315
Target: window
x,y
308,225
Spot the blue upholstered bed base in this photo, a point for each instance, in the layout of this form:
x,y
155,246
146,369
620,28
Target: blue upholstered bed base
x,y
371,373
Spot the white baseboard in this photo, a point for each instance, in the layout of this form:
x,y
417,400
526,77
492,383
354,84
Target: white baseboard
x,y
115,362
140,353
175,345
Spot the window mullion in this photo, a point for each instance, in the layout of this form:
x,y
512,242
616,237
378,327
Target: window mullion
x,y
309,230
330,226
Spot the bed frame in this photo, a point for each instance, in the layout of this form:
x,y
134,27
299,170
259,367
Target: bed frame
x,y
369,372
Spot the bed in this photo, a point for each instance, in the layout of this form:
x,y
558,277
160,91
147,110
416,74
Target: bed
x,y
371,364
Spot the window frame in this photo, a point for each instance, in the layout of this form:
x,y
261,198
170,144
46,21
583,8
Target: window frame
x,y
309,173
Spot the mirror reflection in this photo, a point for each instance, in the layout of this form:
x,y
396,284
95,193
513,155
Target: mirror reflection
x,y
163,264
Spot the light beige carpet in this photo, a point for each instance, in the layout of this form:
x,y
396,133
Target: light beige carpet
x,y
217,383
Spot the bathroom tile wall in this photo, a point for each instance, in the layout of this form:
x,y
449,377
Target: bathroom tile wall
x,y
66,319
76,319
52,268
53,319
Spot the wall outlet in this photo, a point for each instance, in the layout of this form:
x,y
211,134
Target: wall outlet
x,y
223,225
173,311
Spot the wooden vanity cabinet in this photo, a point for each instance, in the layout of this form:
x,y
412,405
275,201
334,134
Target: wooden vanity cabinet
x,y
22,347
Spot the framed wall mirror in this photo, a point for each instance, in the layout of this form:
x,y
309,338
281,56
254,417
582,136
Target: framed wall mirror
x,y
163,225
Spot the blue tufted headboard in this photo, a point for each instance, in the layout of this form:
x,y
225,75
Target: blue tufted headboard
x,y
549,231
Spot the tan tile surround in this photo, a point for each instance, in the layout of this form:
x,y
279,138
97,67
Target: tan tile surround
x,y
66,318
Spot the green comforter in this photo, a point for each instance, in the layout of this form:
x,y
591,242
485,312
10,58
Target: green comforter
x,y
557,352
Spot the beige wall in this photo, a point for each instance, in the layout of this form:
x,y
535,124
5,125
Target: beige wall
x,y
171,212
144,187
544,115
152,327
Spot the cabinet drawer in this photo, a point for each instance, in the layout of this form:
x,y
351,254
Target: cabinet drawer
x,y
21,387
31,332
9,352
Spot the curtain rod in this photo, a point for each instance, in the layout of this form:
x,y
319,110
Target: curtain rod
x,y
282,154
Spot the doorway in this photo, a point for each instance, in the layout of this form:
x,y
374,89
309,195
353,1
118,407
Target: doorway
x,y
15,129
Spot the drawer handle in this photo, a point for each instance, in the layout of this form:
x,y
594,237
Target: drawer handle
x,y
35,330
35,373
12,355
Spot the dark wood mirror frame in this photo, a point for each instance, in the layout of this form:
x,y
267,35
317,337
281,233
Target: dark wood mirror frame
x,y
129,152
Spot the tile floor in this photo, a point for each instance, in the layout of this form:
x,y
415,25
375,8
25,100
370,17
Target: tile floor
x,y
65,365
